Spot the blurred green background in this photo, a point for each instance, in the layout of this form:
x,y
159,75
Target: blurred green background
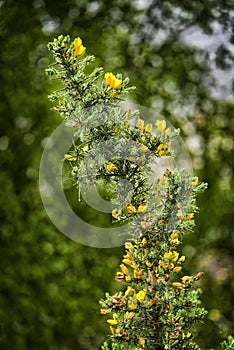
x,y
179,54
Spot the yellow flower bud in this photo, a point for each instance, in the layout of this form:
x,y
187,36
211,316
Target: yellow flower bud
x,y
149,128
198,276
141,124
195,181
182,259
112,329
177,285
105,311
113,94
161,125
124,269
129,292
127,279
120,277
129,315
162,180
133,305
69,157
173,336
175,256
188,217
161,264
177,269
168,132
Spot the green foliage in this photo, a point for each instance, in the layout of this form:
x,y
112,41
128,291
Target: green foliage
x,y
229,344
161,309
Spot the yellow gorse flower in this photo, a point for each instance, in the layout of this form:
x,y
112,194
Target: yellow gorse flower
x,y
115,213
85,148
113,321
141,124
79,49
112,81
182,259
141,296
149,263
188,335
130,291
161,125
129,315
149,128
141,341
124,269
177,269
188,217
168,132
177,285
174,235
144,148
129,246
69,157
133,305
131,208
110,167
186,279
195,181
138,274
162,149
171,255
142,208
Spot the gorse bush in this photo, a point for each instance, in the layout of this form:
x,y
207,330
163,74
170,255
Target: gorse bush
x,y
157,305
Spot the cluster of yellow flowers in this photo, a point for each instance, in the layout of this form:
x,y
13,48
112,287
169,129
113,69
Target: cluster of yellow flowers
x,y
148,129
130,209
170,258
114,322
111,80
125,275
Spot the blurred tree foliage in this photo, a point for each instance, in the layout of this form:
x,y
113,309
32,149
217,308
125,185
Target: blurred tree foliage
x,y
179,55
